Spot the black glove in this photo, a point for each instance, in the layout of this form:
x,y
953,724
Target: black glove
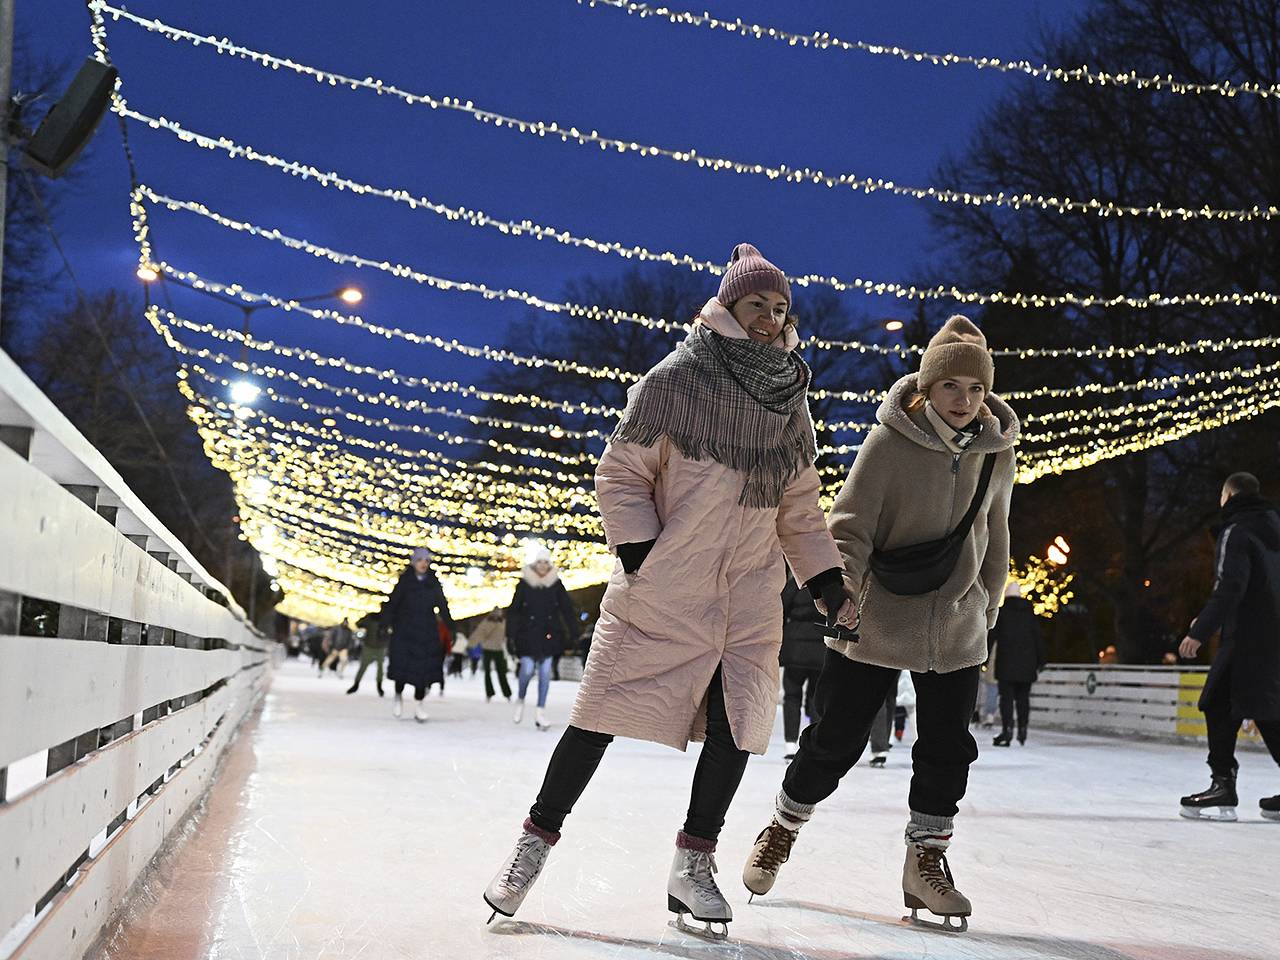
x,y
633,555
828,586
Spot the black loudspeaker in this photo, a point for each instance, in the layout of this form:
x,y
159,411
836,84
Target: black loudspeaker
x,y
69,126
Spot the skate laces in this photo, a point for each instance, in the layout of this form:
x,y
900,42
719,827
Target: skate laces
x,y
934,869
699,868
777,847
528,858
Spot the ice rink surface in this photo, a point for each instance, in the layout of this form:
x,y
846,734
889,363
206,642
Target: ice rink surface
x,y
336,831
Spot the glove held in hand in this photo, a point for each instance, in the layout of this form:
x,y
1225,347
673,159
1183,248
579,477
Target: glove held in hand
x,y
633,555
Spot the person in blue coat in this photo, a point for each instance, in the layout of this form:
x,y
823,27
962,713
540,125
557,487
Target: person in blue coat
x,y
413,613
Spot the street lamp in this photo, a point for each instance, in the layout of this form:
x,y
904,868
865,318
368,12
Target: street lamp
x,y
1059,552
149,273
893,326
244,392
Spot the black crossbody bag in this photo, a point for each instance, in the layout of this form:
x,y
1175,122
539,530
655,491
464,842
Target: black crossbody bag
x,y
924,567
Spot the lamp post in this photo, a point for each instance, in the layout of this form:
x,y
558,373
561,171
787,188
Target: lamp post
x,y
245,392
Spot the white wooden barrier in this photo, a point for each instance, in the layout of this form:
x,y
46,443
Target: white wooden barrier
x,y
1155,702
125,671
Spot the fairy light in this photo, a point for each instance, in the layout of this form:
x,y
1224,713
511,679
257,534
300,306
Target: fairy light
x,y
306,435
448,345
879,288
1043,584
826,41
1078,456
784,173
475,217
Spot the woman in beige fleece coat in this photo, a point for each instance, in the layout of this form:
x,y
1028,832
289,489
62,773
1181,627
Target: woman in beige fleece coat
x,y
914,480
707,484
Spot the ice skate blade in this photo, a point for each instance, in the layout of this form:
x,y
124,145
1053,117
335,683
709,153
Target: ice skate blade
x,y
1270,815
1220,814
496,912
944,925
708,932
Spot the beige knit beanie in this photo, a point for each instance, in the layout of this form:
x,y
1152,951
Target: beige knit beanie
x,y
957,350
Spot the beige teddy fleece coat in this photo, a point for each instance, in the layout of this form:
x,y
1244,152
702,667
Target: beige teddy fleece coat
x,y
907,486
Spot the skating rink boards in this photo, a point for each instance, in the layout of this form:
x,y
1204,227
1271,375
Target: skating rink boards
x,y
338,832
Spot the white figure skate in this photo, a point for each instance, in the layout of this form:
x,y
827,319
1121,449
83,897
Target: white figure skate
x,y
691,889
512,883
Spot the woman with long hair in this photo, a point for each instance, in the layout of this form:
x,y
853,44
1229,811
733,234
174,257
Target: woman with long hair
x,y
923,525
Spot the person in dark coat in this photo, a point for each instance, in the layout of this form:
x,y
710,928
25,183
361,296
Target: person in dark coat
x,y
802,653
417,658
1020,655
1244,681
540,621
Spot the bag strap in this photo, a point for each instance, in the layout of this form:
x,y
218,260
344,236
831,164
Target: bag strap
x,y
984,481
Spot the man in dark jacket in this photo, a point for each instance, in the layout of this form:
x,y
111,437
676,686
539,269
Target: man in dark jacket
x,y
803,650
1244,681
1020,656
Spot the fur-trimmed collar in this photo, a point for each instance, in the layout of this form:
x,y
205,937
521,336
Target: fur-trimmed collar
x,y
1000,426
720,319
533,580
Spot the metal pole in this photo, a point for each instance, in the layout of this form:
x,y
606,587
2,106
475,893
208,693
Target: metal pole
x,y
6,76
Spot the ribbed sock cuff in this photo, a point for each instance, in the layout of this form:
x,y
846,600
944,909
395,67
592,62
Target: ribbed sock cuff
x,y
791,814
550,836
930,830
685,841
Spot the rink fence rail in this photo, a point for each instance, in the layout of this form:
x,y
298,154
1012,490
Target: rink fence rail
x,y
1155,702
125,672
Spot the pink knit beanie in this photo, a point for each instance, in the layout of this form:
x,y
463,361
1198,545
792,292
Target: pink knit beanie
x,y
749,272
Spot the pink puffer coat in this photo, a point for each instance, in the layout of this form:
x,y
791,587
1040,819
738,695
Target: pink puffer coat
x,y
708,594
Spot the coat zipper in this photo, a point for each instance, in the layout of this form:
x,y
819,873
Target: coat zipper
x,y
955,484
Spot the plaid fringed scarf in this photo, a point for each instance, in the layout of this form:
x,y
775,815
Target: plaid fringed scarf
x,y
740,403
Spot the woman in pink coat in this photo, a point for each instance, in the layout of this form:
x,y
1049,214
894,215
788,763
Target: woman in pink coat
x,y
707,484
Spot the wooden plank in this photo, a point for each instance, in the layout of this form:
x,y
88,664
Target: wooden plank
x,y
43,831
64,454
59,549
1106,712
1130,694
55,689
78,914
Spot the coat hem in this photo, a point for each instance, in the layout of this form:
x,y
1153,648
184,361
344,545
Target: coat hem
x,y
848,650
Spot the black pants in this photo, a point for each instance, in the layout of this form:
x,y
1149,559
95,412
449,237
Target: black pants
x,y
850,694
419,693
798,684
1015,695
1224,726
715,780
498,660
